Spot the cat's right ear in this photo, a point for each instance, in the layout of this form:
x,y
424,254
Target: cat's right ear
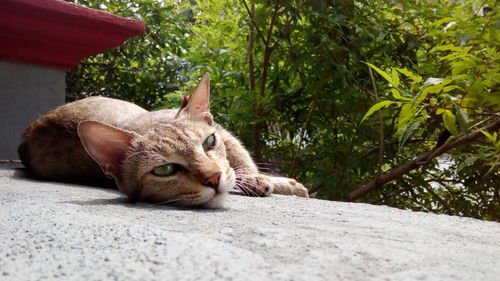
x,y
106,144
197,105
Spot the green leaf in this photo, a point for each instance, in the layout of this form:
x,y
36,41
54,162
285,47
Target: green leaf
x,y
444,20
468,161
440,111
461,66
407,132
415,77
455,56
450,47
376,107
431,89
489,136
463,120
406,114
398,96
450,88
381,72
395,78
449,121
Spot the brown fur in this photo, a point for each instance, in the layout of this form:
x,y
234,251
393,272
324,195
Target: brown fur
x,y
97,136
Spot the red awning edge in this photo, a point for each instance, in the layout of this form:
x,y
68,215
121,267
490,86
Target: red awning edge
x,y
59,34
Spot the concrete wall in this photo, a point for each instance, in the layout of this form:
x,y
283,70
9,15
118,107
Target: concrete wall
x,y
26,92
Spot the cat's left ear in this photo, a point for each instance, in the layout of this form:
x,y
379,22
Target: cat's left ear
x,y
197,105
106,144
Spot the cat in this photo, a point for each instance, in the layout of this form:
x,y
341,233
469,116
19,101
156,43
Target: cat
x,y
177,156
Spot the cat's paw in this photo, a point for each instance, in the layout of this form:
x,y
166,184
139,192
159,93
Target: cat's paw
x,y
256,185
287,186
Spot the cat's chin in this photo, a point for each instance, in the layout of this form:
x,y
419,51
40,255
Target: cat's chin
x,y
217,201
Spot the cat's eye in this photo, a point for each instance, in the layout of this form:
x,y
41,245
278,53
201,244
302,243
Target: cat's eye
x,y
164,170
209,143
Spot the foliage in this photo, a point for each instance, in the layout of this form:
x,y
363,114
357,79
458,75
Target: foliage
x,y
453,90
147,69
316,55
294,80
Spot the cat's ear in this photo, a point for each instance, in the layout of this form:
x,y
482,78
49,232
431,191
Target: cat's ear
x,y
106,144
197,105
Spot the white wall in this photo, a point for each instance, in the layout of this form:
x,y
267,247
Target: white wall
x,y
26,92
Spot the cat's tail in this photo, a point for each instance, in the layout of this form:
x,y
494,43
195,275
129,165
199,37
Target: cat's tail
x,y
23,151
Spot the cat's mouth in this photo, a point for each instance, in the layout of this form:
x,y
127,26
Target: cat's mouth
x,y
203,196
206,198
216,196
217,200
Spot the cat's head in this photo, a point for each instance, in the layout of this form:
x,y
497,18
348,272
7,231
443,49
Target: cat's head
x,y
181,161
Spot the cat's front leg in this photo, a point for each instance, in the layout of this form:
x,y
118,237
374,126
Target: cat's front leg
x,y
249,180
263,185
287,186
255,184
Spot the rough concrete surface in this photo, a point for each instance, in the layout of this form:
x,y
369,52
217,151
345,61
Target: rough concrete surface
x,y
52,231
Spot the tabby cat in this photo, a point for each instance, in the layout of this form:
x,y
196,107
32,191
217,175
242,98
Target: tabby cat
x,y
168,156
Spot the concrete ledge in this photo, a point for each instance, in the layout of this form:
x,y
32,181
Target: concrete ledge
x,y
70,232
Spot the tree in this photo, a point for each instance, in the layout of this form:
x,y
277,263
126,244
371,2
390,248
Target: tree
x,y
452,109
313,56
299,81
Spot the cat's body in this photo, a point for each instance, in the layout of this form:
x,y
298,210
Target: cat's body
x,y
177,156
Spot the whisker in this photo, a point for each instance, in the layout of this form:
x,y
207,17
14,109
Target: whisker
x,y
247,187
265,164
242,172
247,191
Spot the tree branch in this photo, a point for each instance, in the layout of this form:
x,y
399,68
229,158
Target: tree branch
x,y
421,160
250,14
380,161
263,80
251,70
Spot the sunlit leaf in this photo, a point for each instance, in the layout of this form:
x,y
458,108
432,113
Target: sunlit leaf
x,y
463,120
397,95
406,114
407,132
415,77
432,89
395,78
381,72
449,121
490,137
451,88
376,107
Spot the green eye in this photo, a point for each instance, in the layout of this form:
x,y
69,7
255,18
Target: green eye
x,y
164,171
209,143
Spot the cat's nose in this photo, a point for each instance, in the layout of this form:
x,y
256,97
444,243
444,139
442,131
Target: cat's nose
x,y
213,181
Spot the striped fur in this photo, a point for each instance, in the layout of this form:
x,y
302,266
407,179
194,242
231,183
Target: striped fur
x,y
61,146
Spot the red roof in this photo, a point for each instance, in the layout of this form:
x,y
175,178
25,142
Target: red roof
x,y
59,34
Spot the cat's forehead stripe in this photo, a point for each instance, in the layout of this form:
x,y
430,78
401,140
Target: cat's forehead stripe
x,y
177,137
184,130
